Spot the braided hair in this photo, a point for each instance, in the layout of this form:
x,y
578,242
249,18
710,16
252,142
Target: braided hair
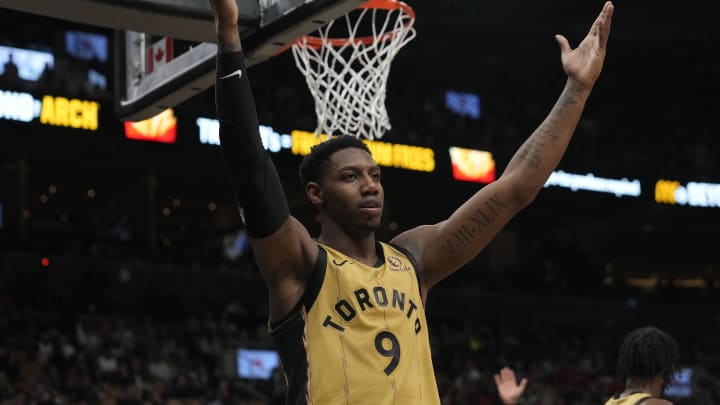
x,y
646,353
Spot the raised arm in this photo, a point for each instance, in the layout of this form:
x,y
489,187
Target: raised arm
x,y
443,248
283,248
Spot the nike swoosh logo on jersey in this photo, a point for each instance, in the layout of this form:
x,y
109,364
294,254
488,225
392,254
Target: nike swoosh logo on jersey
x,y
237,73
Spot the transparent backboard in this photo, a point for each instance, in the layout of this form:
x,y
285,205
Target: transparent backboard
x,y
164,49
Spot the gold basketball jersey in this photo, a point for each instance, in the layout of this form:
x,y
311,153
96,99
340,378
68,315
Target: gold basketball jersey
x,y
359,334
632,399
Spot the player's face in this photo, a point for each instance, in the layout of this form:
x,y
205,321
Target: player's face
x,y
353,193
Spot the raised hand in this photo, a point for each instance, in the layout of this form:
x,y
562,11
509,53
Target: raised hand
x,y
508,388
584,63
226,14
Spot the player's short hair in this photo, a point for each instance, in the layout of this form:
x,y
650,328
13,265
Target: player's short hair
x,y
646,353
312,167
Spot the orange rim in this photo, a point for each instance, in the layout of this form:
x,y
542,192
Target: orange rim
x,y
317,43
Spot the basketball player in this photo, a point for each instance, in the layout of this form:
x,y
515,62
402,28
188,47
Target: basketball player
x,y
347,312
647,362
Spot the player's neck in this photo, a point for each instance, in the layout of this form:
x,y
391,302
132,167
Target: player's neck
x,y
358,247
653,387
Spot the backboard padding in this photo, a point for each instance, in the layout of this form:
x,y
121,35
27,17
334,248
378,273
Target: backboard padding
x,y
266,27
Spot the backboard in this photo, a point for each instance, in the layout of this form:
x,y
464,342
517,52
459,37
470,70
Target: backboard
x,y
164,49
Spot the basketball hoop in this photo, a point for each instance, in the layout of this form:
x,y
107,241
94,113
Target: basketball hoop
x,y
347,75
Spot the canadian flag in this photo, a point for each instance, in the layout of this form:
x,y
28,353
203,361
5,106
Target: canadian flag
x,y
160,53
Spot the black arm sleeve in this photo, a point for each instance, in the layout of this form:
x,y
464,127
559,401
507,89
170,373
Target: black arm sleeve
x,y
263,205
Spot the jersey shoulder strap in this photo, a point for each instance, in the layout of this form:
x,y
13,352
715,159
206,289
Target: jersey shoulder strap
x,y
643,399
633,399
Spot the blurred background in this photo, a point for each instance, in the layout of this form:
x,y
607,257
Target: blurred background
x,y
126,276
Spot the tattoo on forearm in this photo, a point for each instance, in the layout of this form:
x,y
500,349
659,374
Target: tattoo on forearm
x,y
531,151
481,218
568,98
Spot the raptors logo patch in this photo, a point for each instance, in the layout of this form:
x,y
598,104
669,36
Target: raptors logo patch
x,y
396,264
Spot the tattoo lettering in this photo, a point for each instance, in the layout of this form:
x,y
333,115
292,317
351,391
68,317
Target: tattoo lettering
x,y
531,151
449,247
545,130
568,99
575,91
480,219
463,235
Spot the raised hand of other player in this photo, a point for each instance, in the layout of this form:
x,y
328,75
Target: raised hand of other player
x,y
508,388
584,63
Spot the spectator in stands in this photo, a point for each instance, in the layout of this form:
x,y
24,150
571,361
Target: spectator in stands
x,y
508,388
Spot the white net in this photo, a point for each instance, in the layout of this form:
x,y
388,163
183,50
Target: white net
x,y
347,77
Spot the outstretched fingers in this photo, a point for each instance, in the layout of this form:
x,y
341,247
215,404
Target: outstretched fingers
x,y
605,23
598,34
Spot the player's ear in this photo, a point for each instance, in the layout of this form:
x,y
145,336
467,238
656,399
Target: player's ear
x,y
314,193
